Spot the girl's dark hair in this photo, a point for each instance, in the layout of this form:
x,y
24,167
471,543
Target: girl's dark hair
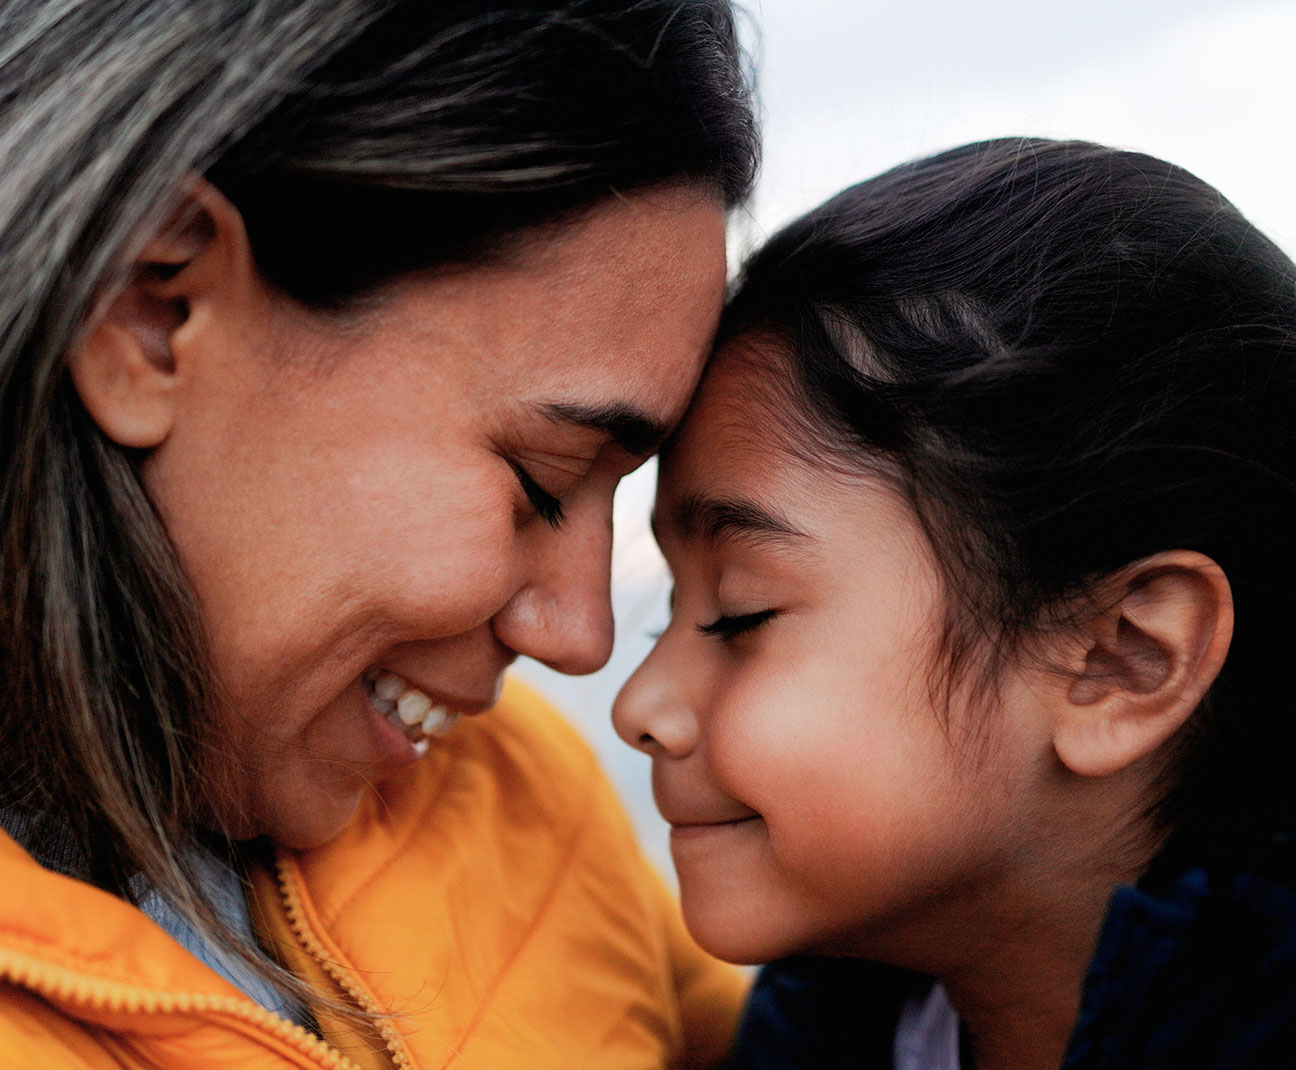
x,y
361,139
1067,357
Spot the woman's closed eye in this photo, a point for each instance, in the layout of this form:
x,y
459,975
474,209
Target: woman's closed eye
x,y
547,506
726,628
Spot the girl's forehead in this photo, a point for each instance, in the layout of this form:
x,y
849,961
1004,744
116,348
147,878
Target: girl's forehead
x,y
742,422
726,435
734,463
743,393
745,460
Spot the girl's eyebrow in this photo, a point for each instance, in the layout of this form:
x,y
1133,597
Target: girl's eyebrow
x,y
697,517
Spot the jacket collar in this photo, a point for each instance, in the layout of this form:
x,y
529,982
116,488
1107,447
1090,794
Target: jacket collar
x,y
74,944
1195,968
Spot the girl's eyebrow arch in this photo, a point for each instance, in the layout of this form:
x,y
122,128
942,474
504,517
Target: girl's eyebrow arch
x,y
696,517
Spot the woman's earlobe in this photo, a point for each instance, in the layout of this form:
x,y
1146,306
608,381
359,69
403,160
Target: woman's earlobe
x,y
1144,664
125,368
125,377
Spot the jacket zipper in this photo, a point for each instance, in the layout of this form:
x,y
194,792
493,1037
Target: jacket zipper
x,y
312,945
64,983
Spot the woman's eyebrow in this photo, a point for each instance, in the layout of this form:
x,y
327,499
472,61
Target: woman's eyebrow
x,y
696,517
633,430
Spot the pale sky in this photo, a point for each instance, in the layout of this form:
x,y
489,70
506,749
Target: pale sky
x,y
849,89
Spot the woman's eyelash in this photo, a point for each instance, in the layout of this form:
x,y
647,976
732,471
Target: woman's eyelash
x,y
732,627
547,507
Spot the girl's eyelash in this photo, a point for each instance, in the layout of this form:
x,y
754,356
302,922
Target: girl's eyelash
x,y
725,628
547,507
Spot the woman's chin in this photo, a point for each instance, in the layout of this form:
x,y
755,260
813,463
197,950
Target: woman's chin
x,y
308,824
297,813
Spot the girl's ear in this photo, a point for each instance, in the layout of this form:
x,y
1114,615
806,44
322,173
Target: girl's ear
x,y
134,356
1139,669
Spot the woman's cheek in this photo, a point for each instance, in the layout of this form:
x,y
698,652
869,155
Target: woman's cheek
x,y
453,560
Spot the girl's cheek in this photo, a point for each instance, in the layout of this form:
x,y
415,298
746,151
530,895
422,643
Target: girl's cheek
x,y
759,735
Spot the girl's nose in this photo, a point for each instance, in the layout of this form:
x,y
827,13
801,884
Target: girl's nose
x,y
561,613
651,713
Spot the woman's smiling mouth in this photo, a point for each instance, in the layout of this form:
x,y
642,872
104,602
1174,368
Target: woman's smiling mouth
x,y
411,711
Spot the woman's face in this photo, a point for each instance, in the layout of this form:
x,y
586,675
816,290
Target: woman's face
x,y
820,799
421,492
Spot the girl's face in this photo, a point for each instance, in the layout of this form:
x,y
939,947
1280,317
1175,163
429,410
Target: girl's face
x,y
380,497
819,797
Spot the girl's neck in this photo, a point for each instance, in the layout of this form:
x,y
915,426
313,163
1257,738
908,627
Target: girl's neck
x,y
1022,1022
1018,988
1014,954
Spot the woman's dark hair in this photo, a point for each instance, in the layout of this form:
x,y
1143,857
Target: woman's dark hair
x,y
361,139
442,130
1067,357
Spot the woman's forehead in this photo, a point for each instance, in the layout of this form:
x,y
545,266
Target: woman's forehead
x,y
607,327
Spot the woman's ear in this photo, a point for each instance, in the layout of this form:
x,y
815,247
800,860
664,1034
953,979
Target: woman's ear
x,y
133,357
1141,667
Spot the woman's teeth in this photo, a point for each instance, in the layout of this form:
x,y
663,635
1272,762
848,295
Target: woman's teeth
x,y
409,709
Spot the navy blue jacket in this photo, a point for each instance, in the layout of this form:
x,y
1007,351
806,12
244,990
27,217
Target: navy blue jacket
x,y
1195,969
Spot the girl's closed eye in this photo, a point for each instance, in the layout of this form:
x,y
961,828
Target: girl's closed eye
x,y
727,627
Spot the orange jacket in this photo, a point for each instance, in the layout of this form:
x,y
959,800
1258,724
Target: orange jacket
x,y
494,904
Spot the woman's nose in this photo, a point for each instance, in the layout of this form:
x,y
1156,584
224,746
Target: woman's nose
x,y
561,612
651,713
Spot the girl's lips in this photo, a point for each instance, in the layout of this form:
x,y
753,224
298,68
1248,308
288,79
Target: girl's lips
x,y
687,832
697,809
707,823
690,826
